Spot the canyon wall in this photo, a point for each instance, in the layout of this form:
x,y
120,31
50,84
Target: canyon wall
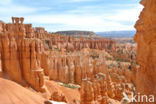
x,y
146,49
20,56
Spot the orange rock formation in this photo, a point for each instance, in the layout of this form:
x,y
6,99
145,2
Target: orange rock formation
x,y
146,49
21,57
31,56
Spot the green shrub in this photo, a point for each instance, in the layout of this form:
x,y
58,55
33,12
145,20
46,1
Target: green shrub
x,y
70,86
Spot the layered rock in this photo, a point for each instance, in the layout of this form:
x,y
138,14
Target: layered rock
x,y
94,92
41,33
71,43
73,68
106,85
21,56
23,59
1,25
146,49
66,69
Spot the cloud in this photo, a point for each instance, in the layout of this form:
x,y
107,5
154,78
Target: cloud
x,y
77,22
6,2
126,15
16,10
82,0
9,7
120,20
86,17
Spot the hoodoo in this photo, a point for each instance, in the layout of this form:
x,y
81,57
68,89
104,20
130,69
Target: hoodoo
x,y
75,69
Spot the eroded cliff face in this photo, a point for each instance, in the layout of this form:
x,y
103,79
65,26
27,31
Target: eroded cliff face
x,y
32,57
20,56
74,67
146,49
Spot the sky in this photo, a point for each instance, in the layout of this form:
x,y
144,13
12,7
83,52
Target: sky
x,y
60,15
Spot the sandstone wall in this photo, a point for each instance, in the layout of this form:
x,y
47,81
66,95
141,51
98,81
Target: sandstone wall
x,y
20,56
146,48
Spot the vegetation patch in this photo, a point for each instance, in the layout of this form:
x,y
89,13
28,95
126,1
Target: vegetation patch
x,y
69,85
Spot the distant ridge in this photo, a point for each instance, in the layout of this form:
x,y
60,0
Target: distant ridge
x,y
77,33
116,34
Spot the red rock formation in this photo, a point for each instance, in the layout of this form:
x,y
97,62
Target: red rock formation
x,y
31,55
94,92
146,49
0,66
100,89
72,43
71,68
40,33
21,56
45,63
1,26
